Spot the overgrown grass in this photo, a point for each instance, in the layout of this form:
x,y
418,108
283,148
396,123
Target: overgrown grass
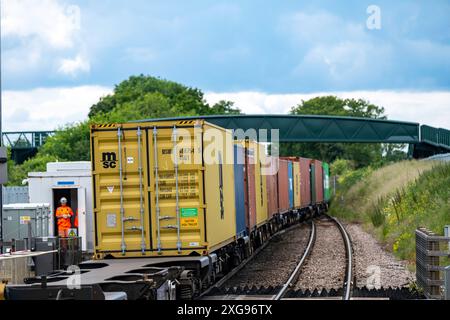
x,y
393,201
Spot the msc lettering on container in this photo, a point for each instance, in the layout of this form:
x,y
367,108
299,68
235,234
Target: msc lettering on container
x,y
109,160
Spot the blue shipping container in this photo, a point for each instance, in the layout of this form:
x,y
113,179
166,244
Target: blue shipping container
x,y
239,171
291,184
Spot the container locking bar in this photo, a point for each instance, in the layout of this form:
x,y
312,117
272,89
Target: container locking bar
x,y
177,205
135,228
171,226
166,218
122,211
141,193
130,218
155,155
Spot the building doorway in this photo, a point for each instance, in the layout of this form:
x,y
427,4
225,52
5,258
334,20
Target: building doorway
x,y
71,194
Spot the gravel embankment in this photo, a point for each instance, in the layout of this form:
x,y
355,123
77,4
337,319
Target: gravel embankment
x,y
325,267
273,265
374,267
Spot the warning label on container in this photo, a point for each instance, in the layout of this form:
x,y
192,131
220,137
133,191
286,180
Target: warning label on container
x,y
25,219
189,217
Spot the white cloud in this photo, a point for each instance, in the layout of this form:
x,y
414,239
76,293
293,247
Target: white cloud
x,y
73,66
49,20
39,33
431,108
48,108
339,52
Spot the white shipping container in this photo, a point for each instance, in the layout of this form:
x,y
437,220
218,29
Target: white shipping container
x,y
73,181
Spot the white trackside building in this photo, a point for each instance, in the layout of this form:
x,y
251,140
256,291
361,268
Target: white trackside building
x,y
72,180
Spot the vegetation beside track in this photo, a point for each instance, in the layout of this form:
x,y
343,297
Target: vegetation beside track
x,y
392,201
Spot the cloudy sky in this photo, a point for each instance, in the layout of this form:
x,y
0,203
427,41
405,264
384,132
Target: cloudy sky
x,y
60,56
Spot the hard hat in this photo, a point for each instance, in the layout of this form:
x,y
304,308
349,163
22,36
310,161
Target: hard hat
x,y
63,200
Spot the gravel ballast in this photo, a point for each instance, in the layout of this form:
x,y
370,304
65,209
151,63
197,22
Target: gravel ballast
x,y
375,267
325,267
275,263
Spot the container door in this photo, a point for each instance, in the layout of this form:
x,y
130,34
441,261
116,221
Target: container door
x,y
176,187
296,166
250,201
313,183
80,217
291,184
119,180
305,183
239,171
326,182
283,186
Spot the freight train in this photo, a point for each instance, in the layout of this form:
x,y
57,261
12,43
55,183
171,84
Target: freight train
x,y
177,205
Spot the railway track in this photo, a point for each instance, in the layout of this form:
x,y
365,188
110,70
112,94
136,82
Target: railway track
x,y
347,281
221,283
286,290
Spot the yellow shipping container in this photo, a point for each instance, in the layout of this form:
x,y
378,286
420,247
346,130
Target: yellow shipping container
x,y
261,196
296,166
148,202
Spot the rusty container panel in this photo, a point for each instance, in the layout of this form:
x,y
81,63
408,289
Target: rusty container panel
x,y
319,181
305,182
283,186
272,190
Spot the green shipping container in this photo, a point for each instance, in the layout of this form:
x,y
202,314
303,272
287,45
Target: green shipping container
x,y
326,182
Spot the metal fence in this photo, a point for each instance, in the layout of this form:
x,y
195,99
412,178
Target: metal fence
x,y
431,250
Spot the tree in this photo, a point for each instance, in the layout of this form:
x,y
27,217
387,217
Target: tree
x,y
70,143
17,173
182,100
361,154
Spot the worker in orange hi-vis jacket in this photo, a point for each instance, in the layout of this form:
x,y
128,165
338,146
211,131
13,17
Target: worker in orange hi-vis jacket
x,y
63,214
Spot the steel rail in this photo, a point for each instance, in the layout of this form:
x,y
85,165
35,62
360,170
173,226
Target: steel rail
x,y
296,273
348,284
235,270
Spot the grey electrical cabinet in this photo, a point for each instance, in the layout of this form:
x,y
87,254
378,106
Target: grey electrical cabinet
x,y
16,218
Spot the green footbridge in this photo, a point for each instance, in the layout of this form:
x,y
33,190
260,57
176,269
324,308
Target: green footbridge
x,y
423,140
